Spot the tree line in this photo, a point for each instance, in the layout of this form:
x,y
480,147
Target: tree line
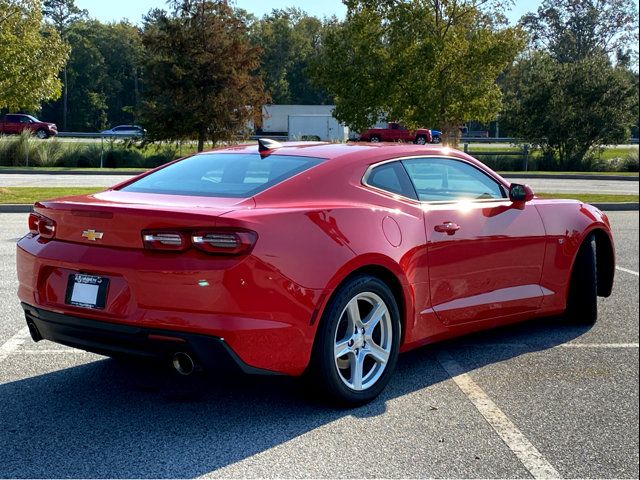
x,y
564,78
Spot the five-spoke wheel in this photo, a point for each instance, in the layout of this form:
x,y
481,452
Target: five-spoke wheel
x,y
357,342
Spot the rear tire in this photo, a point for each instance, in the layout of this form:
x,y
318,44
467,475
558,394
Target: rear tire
x,y
357,343
582,304
421,140
374,139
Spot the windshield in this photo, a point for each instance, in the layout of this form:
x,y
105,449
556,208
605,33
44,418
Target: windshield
x,y
222,175
34,119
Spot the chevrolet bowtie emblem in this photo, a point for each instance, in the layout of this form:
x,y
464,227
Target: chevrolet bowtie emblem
x,y
92,235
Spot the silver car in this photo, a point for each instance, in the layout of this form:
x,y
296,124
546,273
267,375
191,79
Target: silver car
x,y
125,131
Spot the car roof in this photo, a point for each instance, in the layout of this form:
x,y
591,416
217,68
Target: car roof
x,y
356,152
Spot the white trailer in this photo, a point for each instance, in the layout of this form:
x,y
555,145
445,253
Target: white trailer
x,y
317,127
275,118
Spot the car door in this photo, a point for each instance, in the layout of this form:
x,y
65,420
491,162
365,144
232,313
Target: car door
x,y
485,252
12,124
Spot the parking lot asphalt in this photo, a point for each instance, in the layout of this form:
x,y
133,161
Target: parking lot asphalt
x,y
538,399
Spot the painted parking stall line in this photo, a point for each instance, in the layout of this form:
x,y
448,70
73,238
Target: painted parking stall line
x,y
599,345
14,343
515,440
626,270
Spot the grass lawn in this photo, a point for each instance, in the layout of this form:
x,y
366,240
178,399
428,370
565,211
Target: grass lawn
x,y
30,195
516,172
591,197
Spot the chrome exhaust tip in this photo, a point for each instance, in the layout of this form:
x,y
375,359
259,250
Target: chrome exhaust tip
x,y
183,363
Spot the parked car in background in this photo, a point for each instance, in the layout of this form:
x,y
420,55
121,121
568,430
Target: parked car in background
x,y
16,123
396,132
394,246
125,131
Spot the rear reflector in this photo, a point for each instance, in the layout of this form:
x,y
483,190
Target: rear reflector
x,y
172,241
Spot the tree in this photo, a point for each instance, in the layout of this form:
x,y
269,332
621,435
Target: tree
x,y
568,108
62,14
31,55
427,63
199,79
289,39
103,75
572,30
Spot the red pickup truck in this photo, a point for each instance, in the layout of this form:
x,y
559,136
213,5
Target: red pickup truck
x,y
15,123
396,132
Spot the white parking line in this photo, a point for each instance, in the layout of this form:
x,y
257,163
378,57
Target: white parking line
x,y
626,270
14,343
599,345
522,448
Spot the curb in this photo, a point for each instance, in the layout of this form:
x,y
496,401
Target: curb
x,y
611,207
618,207
577,176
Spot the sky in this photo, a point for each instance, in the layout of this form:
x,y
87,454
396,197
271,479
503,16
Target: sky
x,y
133,10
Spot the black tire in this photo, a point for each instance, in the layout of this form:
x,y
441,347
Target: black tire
x,y
374,139
436,139
328,378
582,304
42,134
421,140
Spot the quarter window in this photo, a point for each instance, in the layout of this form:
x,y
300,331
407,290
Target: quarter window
x,y
438,179
392,178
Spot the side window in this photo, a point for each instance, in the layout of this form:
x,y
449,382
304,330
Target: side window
x,y
25,120
392,178
13,119
438,180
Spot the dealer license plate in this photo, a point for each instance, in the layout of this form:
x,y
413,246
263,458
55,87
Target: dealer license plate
x,y
87,291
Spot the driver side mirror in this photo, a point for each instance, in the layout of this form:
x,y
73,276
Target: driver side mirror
x,y
520,193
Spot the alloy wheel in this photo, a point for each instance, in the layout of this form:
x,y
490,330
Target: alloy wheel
x,y
363,341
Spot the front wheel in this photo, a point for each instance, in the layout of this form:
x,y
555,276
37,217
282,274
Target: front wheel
x,y
421,140
374,139
41,134
582,304
357,343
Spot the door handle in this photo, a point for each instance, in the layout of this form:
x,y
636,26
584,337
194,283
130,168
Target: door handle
x,y
449,228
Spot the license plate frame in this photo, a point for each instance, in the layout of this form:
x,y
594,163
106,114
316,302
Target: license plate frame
x,y
87,291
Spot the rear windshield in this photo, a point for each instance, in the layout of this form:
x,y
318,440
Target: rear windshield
x,y
222,175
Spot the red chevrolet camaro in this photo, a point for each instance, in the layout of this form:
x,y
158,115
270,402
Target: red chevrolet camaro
x,y
310,258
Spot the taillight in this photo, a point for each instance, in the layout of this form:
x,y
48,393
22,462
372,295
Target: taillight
x,y
41,225
172,241
219,242
34,220
224,242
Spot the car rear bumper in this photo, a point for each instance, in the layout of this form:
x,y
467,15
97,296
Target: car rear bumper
x,y
262,317
210,353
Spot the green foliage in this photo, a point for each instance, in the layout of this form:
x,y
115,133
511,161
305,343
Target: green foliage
x,y
569,108
31,55
431,64
103,76
572,30
199,73
289,40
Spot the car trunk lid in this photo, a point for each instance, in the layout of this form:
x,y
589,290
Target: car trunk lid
x,y
117,219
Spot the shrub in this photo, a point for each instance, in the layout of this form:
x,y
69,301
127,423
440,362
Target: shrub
x,y
48,153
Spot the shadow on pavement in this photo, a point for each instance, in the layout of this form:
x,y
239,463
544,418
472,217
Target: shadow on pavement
x,y
112,419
